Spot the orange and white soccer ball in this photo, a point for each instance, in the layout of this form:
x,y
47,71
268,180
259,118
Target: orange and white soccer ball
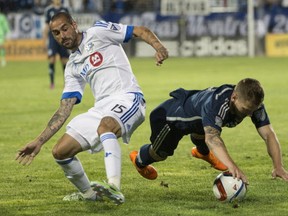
x,y
228,189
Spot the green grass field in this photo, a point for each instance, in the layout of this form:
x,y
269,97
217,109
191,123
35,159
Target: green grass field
x,y
27,104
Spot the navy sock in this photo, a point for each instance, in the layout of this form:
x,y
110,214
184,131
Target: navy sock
x,y
143,159
201,145
203,149
51,72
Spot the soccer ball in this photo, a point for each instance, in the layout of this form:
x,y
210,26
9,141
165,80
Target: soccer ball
x,y
228,189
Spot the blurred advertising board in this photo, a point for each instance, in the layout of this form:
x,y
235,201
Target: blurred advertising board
x,y
25,49
276,45
213,34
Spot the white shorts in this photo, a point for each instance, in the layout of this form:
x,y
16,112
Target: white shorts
x,y
128,109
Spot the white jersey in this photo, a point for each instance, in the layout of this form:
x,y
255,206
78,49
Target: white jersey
x,y
101,61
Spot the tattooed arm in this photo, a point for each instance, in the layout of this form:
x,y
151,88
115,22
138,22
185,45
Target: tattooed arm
x,y
149,37
217,146
26,155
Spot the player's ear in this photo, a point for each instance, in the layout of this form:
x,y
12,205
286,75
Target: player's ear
x,y
234,96
74,24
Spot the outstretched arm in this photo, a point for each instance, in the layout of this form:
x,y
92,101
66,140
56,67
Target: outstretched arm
x,y
274,151
26,155
217,146
149,37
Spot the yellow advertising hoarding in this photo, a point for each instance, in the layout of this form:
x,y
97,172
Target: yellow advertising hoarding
x,y
25,49
276,45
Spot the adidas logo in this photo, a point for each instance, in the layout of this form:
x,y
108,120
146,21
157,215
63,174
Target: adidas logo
x,y
107,154
114,27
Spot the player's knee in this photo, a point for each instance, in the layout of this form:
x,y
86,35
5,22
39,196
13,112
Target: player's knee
x,y
109,124
57,154
61,154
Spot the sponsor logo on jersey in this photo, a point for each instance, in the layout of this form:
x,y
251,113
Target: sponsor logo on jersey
x,y
96,59
85,69
233,123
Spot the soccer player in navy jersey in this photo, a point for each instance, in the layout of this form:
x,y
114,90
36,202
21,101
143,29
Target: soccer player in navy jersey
x,y
202,114
98,59
53,47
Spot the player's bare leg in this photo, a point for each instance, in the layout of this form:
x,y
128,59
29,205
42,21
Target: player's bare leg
x,y
64,153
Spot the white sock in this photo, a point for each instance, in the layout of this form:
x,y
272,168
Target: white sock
x,y
112,158
74,172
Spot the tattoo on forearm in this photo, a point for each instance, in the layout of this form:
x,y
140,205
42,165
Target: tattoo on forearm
x,y
213,136
62,114
150,37
154,41
58,119
55,122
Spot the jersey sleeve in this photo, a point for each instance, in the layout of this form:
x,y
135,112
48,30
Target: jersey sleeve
x,y
113,32
210,116
260,117
74,87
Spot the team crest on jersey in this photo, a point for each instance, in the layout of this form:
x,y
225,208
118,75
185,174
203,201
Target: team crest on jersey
x,y
260,115
89,46
115,27
96,59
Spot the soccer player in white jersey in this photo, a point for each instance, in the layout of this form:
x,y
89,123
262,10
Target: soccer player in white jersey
x,y
98,59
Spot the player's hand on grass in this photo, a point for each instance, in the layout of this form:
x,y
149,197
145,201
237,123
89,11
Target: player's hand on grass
x,y
161,55
281,173
26,155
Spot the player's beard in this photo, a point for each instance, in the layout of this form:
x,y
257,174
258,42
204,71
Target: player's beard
x,y
238,115
69,43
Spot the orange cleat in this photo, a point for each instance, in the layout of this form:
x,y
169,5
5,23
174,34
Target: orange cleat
x,y
210,158
148,172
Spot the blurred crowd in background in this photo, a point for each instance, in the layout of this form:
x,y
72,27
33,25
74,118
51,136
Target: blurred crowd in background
x,y
215,31
105,6
81,6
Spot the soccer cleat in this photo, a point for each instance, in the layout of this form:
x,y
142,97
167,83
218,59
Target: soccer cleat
x,y
210,158
148,172
78,196
108,190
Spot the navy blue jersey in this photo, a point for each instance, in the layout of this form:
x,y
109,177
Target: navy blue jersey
x,y
191,110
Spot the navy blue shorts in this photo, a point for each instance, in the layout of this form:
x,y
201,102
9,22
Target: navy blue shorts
x,y
164,135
